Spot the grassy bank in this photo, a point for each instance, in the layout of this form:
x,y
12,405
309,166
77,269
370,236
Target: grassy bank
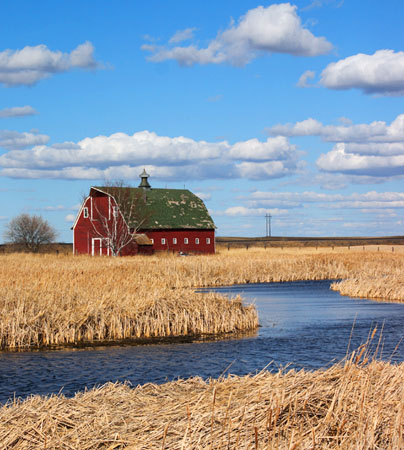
x,y
347,406
49,300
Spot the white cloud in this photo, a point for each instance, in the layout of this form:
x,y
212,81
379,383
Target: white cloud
x,y
182,35
70,218
367,150
17,111
370,200
377,131
32,64
341,160
203,195
308,75
243,211
268,170
277,148
273,29
12,140
120,156
381,73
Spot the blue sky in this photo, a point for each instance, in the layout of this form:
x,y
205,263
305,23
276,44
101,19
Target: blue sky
x,y
293,109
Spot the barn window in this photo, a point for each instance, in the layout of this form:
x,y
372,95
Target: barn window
x,y
114,211
196,240
208,240
152,240
174,240
185,240
163,241
85,212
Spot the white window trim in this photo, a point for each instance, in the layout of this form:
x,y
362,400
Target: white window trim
x,y
185,240
151,240
208,240
163,241
197,241
174,241
85,212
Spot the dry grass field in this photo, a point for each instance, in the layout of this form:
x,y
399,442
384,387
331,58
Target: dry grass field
x,y
49,300
52,301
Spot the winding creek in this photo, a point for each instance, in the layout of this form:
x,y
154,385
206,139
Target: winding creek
x,y
303,324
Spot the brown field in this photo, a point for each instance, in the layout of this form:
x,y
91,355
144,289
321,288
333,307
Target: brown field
x,y
53,301
49,300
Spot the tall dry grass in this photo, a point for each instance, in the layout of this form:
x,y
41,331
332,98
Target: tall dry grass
x,y
348,406
48,300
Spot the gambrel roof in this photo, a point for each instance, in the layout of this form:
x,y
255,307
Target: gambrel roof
x,y
163,208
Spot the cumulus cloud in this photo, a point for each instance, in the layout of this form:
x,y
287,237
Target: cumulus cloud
x,y
273,29
13,140
381,73
369,150
17,111
340,159
122,156
277,148
32,64
70,218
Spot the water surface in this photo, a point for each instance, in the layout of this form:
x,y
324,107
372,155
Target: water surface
x,y
303,323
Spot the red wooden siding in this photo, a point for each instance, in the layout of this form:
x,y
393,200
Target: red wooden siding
x,y
206,240
86,240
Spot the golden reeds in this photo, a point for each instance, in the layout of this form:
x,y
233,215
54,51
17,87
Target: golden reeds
x,y
48,300
347,406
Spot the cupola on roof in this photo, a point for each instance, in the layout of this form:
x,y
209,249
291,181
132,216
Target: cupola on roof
x,y
144,184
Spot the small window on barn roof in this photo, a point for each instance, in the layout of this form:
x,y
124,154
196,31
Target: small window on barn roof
x,y
85,212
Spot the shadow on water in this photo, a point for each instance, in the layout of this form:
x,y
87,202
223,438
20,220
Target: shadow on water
x,y
303,324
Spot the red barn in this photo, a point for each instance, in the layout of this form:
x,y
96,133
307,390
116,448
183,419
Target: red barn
x,y
118,220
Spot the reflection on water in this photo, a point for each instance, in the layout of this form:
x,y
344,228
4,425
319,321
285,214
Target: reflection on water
x,y
302,323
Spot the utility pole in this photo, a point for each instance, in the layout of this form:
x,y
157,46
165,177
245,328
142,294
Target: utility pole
x,y
268,224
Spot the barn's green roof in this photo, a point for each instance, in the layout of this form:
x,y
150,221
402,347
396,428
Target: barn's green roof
x,y
163,208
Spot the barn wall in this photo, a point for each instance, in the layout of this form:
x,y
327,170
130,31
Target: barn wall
x,y
180,235
83,234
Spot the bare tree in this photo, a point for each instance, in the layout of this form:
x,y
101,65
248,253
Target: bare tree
x,y
118,221
29,231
